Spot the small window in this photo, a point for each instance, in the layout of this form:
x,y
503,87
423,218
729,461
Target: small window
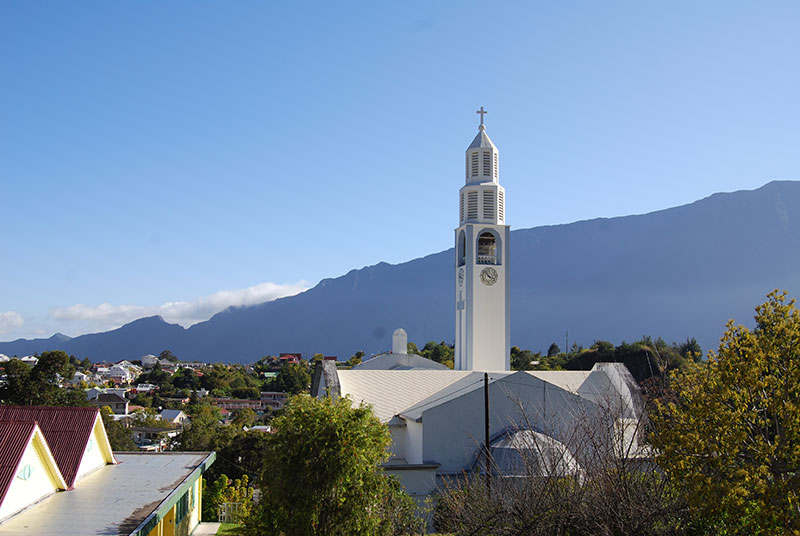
x,y
182,508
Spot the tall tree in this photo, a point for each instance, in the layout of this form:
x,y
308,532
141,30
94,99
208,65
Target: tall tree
x,y
730,442
119,436
322,474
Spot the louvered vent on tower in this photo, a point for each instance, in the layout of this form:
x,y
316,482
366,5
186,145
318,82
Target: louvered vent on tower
x,y
474,164
472,205
488,205
496,174
487,164
501,212
461,208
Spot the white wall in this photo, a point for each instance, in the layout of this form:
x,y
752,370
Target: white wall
x,y
38,484
398,447
93,457
414,450
454,431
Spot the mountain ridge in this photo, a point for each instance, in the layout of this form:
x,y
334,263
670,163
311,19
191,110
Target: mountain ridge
x,y
677,272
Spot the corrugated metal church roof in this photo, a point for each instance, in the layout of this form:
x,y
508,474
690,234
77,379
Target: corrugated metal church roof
x,y
66,430
14,437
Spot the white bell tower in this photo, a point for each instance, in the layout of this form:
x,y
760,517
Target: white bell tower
x,y
483,333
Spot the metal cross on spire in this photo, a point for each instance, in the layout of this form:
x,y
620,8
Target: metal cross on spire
x,y
482,112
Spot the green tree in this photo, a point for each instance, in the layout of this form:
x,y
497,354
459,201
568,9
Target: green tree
x,y
322,475
168,355
38,386
730,442
119,436
439,352
204,433
244,417
553,350
523,359
691,350
293,378
355,359
223,490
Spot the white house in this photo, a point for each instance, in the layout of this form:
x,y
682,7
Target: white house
x,y
30,360
149,361
174,416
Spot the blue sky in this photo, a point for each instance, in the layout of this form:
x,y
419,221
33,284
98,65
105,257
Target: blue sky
x,y
177,157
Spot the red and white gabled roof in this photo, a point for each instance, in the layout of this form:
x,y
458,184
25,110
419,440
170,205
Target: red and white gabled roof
x,y
66,429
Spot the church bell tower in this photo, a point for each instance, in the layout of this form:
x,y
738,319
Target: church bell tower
x,y
483,333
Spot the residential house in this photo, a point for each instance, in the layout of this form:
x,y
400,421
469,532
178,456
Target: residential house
x,y
145,387
273,399
30,360
149,361
174,416
117,404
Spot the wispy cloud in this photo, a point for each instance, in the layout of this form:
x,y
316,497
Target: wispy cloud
x,y
10,320
83,318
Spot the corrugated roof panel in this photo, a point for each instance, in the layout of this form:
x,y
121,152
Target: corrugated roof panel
x,y
391,391
66,430
14,437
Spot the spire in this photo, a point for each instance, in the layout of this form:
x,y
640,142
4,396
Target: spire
x,y
482,140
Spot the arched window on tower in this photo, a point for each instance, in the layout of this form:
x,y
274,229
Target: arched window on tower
x,y
462,249
487,249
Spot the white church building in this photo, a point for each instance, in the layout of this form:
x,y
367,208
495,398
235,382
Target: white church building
x,y
437,416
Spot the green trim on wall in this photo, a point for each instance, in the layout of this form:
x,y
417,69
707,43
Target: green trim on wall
x,y
166,505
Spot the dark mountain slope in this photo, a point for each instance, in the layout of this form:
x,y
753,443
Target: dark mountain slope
x,y
675,273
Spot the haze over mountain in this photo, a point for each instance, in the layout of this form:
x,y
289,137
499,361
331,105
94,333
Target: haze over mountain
x,y
676,273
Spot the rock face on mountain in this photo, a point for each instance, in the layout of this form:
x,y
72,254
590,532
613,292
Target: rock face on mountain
x,y
676,273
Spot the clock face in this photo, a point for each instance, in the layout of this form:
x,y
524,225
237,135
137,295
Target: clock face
x,y
488,276
461,277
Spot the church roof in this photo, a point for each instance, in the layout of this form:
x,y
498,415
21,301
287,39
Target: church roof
x,y
400,362
569,380
389,392
482,140
469,383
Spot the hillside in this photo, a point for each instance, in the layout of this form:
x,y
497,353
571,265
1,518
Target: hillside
x,y
676,273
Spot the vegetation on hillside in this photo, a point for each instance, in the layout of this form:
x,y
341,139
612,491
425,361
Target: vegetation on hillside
x,y
39,385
